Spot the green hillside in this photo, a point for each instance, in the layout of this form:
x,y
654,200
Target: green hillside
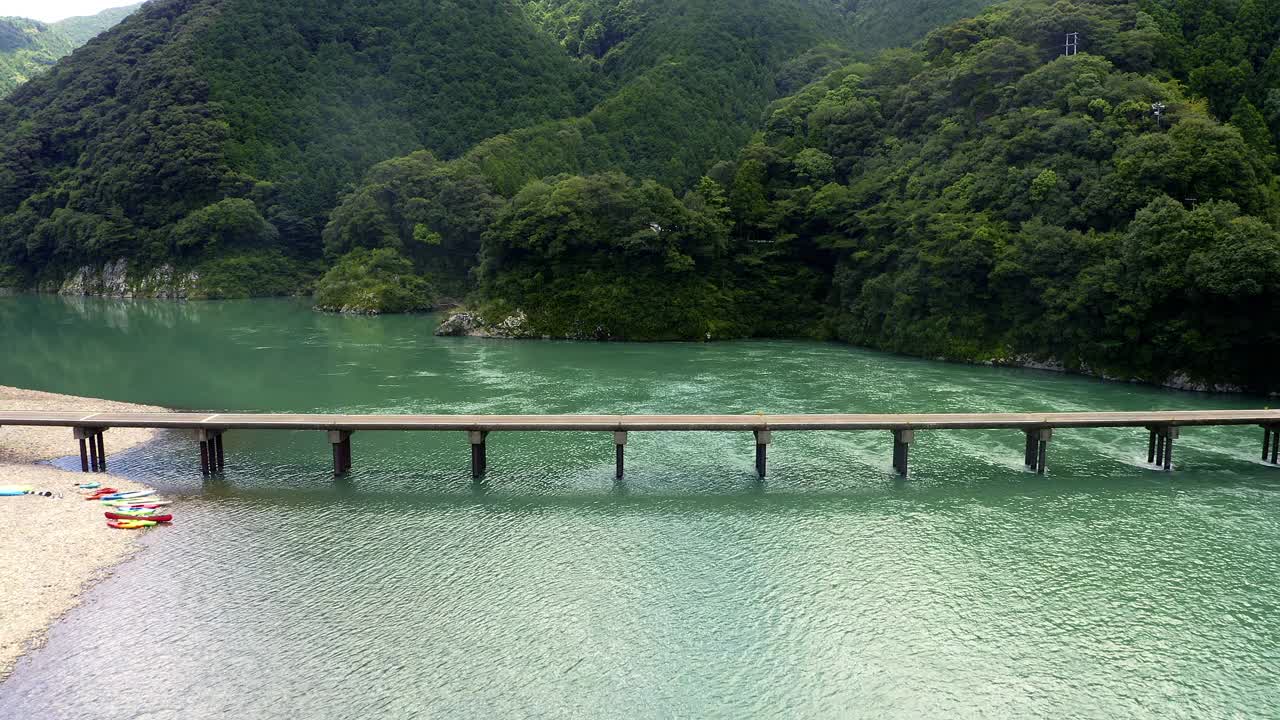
x,y
28,47
689,80
129,148
83,28
980,197
135,146
986,197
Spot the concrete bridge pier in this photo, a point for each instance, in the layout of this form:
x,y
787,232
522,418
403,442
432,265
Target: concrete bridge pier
x,y
1160,446
902,441
479,461
212,459
763,439
93,457
1271,444
1037,449
619,445
341,442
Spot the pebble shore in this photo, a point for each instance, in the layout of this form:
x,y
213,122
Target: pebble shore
x,y
52,548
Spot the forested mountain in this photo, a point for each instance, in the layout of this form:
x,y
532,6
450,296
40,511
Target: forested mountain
x,y
218,133
83,28
982,196
222,130
660,169
986,197
29,47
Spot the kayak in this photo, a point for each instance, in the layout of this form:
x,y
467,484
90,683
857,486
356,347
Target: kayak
x,y
127,495
13,492
99,494
89,485
123,505
148,518
129,524
136,503
133,508
135,511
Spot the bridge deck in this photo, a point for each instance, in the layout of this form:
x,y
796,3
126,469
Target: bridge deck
x,y
492,423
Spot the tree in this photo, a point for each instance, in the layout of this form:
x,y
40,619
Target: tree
x,y
604,256
1221,84
229,224
1253,128
429,211
371,281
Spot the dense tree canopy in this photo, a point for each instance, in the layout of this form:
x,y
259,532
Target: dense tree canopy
x,y
983,196
189,102
427,210
605,257
987,197
377,280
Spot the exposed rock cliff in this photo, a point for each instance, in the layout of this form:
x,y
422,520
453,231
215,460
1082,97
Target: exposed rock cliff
x,y
114,279
468,324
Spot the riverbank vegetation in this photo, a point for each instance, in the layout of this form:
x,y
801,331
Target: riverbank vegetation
x,y
661,169
368,282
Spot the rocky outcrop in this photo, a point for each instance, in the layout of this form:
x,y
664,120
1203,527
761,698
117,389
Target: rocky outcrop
x,y
114,280
353,309
1182,381
1177,381
469,324
1029,362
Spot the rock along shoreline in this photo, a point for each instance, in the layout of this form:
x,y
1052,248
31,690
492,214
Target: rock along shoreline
x,y
52,549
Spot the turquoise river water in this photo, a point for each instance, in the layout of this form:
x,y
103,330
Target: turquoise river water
x,y
833,590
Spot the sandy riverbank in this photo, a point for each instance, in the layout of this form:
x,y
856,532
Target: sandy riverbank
x,y
52,548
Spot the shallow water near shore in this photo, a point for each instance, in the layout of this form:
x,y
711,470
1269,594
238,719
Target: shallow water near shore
x,y
1103,589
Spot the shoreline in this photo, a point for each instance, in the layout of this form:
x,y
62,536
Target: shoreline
x,y
463,323
53,549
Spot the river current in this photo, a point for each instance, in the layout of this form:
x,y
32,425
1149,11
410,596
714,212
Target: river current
x,y
832,590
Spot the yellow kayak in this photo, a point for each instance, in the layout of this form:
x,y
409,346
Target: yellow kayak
x,y
131,524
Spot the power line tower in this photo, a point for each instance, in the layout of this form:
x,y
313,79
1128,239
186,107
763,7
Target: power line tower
x,y
1157,109
1073,43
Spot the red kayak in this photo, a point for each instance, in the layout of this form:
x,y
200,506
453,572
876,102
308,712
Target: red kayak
x,y
152,518
99,493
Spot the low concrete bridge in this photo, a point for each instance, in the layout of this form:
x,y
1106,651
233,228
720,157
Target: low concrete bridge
x,y
1038,428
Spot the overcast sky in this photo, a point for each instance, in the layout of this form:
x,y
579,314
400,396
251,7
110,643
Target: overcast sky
x,y
53,10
